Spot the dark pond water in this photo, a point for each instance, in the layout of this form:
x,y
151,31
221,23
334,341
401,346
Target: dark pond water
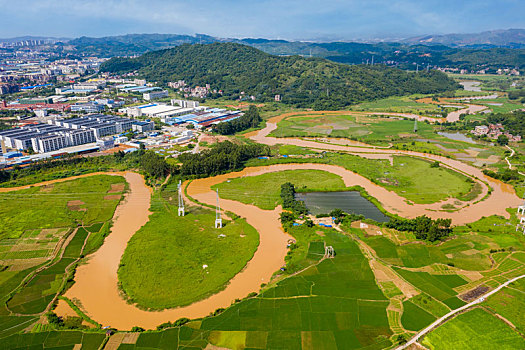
x,y
457,136
347,201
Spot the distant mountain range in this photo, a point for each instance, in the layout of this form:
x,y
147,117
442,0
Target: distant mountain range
x,y
487,51
514,38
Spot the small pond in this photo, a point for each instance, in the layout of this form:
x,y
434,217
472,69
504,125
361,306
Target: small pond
x,y
457,136
347,201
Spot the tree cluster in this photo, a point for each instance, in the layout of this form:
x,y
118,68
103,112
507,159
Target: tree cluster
x,y
223,157
514,122
289,201
423,227
503,175
250,119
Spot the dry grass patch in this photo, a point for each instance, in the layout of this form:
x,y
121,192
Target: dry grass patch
x,y
116,188
112,197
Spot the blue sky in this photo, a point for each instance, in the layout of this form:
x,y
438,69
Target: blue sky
x,y
286,19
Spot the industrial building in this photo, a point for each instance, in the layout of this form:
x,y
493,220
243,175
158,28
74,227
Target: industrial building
x,y
101,124
143,126
45,138
204,118
89,107
148,96
61,133
157,110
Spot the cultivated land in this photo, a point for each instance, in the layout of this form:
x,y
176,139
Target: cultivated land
x,y
381,287
475,329
47,229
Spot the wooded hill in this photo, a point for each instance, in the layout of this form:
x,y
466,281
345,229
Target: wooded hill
x,y
304,82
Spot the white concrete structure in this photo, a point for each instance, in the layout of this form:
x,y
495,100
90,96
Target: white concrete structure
x,y
218,219
148,96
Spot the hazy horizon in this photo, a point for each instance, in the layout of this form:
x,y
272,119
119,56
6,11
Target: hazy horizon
x,y
272,19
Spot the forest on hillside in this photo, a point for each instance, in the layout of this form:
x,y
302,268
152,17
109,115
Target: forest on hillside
x,y
302,82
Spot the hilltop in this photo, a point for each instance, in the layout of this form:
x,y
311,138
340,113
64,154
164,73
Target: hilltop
x,y
304,82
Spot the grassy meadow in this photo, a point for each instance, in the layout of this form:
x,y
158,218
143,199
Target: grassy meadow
x,y
411,178
162,266
63,204
264,191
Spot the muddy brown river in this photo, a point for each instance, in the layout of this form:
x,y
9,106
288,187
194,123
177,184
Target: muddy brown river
x,y
96,283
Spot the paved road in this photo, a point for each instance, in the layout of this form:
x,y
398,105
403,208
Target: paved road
x,y
451,313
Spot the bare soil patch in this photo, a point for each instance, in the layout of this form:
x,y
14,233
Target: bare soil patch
x,y
384,273
112,197
116,188
474,293
75,205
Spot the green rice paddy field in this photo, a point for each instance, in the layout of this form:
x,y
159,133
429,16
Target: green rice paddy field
x,y
475,329
468,253
63,340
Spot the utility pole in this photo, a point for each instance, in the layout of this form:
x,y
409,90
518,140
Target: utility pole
x,y
218,220
181,201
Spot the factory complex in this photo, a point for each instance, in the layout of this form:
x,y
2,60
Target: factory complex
x,y
61,133
181,112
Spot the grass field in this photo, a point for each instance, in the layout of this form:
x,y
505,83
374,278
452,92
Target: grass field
x,y
475,329
264,190
402,104
437,286
467,252
370,129
63,204
409,177
158,269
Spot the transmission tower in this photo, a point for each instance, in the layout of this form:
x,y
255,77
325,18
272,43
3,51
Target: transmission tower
x,y
218,220
181,201
329,252
415,125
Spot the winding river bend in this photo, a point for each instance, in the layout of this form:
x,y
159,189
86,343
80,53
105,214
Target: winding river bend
x,y
96,283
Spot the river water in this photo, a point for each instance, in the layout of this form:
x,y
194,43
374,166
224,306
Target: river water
x,y
347,201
